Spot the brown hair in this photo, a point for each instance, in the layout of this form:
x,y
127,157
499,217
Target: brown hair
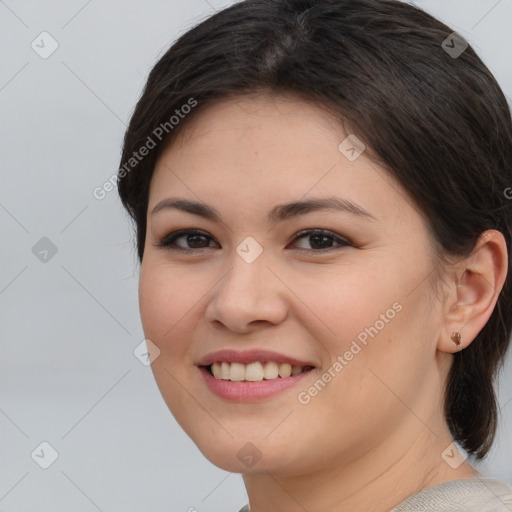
x,y
438,122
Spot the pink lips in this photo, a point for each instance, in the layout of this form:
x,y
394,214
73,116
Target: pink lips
x,y
249,391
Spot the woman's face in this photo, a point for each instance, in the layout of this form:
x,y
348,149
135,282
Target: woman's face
x,y
257,286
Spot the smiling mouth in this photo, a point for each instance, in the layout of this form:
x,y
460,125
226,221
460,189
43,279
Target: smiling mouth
x,y
254,372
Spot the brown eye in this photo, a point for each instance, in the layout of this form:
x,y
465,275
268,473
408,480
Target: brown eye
x,y
321,240
196,241
190,240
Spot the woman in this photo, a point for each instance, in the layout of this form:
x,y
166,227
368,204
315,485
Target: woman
x,y
318,189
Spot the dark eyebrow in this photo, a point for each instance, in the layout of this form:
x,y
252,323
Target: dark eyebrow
x,y
286,211
278,213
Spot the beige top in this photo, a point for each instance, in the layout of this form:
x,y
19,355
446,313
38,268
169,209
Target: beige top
x,y
478,494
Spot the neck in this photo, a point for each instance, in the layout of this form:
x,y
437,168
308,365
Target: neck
x,y
375,481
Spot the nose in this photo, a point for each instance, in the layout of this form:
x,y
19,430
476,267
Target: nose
x,y
250,296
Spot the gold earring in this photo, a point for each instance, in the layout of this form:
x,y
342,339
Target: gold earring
x,y
456,337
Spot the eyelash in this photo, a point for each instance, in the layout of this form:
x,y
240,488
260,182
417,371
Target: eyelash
x,y
168,242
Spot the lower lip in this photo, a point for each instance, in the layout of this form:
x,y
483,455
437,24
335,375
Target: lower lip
x,y
250,391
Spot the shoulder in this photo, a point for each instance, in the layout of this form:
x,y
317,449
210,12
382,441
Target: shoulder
x,y
478,494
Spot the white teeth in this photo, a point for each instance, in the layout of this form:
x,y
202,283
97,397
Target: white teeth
x,y
225,370
237,372
216,370
271,370
285,370
253,372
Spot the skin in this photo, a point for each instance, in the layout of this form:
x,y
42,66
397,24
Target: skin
x,y
375,433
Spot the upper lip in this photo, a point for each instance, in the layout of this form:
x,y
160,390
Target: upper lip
x,y
249,356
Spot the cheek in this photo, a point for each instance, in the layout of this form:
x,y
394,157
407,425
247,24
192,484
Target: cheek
x,y
164,301
378,320
153,303
386,344
355,302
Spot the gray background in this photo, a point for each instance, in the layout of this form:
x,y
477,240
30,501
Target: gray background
x,y
69,324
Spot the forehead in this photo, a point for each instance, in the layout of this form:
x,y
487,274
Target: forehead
x,y
247,150
261,114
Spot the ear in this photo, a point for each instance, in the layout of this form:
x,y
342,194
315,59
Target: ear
x,y
474,290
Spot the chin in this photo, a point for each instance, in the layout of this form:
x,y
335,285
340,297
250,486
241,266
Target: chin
x,y
240,454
